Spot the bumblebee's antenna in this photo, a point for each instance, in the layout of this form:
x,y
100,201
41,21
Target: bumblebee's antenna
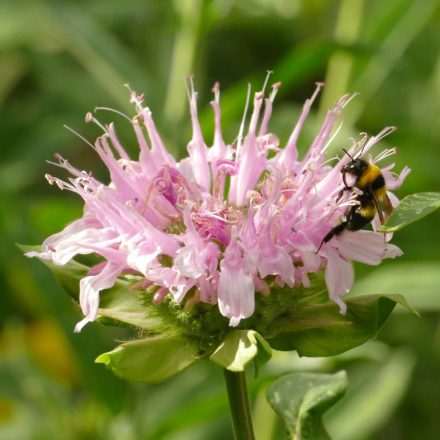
x,y
347,153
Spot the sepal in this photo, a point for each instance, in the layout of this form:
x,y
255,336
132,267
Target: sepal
x,y
240,348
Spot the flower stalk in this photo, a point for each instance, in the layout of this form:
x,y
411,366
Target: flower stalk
x,y
239,405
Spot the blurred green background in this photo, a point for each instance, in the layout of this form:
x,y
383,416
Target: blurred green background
x,y
60,59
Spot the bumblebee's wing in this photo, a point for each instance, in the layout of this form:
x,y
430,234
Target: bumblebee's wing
x,y
378,208
383,206
387,206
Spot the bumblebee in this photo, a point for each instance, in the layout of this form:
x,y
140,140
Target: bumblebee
x,y
369,179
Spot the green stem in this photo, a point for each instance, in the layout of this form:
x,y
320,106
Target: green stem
x,y
239,405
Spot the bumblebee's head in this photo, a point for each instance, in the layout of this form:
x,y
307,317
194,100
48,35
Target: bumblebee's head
x,y
355,167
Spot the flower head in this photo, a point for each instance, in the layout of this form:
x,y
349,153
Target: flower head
x,y
226,223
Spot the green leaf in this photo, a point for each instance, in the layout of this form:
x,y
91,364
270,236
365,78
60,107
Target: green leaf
x,y
420,283
301,399
321,330
412,208
117,305
241,347
150,360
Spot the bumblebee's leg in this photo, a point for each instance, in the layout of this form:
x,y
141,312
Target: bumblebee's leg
x,y
341,193
343,222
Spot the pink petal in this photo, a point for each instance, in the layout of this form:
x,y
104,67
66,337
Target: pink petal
x,y
74,240
365,246
235,286
235,295
90,287
276,261
339,276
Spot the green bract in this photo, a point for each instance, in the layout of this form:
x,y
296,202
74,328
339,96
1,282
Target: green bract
x,y
171,336
151,359
241,347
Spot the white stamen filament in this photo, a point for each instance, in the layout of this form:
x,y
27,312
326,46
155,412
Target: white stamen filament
x,y
80,136
91,118
109,109
332,138
384,154
243,122
266,80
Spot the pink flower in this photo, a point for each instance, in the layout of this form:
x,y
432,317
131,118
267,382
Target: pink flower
x,y
235,286
229,221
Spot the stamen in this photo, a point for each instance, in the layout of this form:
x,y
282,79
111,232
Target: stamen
x,y
80,136
319,85
109,109
60,183
243,121
385,132
63,163
344,100
266,80
90,118
336,158
357,147
384,154
332,138
381,135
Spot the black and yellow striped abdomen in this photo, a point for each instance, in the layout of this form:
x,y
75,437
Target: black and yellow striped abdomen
x,y
362,214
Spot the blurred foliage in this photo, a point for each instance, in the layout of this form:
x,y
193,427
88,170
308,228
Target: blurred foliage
x,y
60,59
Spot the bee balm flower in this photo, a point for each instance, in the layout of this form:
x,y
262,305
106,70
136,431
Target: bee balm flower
x,y
226,223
